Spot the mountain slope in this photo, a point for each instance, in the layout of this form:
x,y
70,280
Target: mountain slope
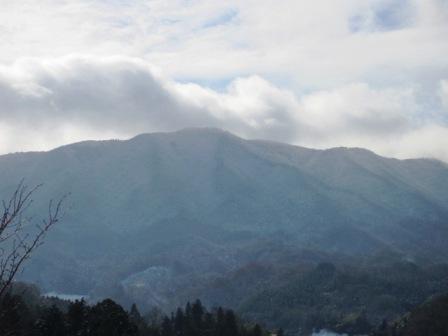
x,y
193,201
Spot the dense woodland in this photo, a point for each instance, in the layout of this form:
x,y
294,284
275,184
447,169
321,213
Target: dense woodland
x,y
348,298
24,312
27,315
273,281
430,318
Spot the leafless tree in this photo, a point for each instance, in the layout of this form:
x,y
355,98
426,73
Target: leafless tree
x,y
17,239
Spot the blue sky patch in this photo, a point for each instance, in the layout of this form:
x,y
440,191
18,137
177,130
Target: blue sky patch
x,y
393,15
222,19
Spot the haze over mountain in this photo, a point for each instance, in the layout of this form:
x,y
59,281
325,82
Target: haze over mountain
x,y
145,214
258,167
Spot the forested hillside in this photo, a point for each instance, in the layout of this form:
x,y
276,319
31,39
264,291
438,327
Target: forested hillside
x,y
24,313
285,235
164,199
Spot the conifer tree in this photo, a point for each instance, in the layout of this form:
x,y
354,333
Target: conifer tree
x,y
52,323
167,327
257,331
230,326
77,319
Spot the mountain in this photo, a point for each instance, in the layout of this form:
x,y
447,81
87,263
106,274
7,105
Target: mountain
x,y
149,214
430,318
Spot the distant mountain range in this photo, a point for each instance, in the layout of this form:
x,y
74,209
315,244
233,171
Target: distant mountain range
x,y
146,214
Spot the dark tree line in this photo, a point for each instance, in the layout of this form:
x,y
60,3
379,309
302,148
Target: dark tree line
x,y
108,318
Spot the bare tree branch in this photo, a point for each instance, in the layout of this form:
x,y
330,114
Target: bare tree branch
x,y
17,243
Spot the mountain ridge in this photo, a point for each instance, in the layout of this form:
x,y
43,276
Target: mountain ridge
x,y
173,199
214,130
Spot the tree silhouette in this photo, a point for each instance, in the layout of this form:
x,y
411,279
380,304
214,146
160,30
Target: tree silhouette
x,y
108,318
17,242
52,323
77,318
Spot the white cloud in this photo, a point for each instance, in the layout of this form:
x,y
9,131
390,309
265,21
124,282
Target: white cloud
x,y
312,44
323,73
56,101
359,108
444,93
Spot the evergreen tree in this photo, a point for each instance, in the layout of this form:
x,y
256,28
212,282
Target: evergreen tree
x,y
230,324
15,317
167,327
208,324
179,322
77,319
197,311
257,331
188,311
144,329
52,323
134,313
109,319
220,322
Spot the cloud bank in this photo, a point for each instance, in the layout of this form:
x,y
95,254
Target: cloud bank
x,y
308,44
321,73
79,97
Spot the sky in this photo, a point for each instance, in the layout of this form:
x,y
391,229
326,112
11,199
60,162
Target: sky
x,y
322,73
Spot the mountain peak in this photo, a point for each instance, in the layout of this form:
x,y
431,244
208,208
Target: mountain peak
x,y
201,184
195,131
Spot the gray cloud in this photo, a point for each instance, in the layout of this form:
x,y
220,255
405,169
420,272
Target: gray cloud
x,y
55,101
123,96
443,92
114,93
355,73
